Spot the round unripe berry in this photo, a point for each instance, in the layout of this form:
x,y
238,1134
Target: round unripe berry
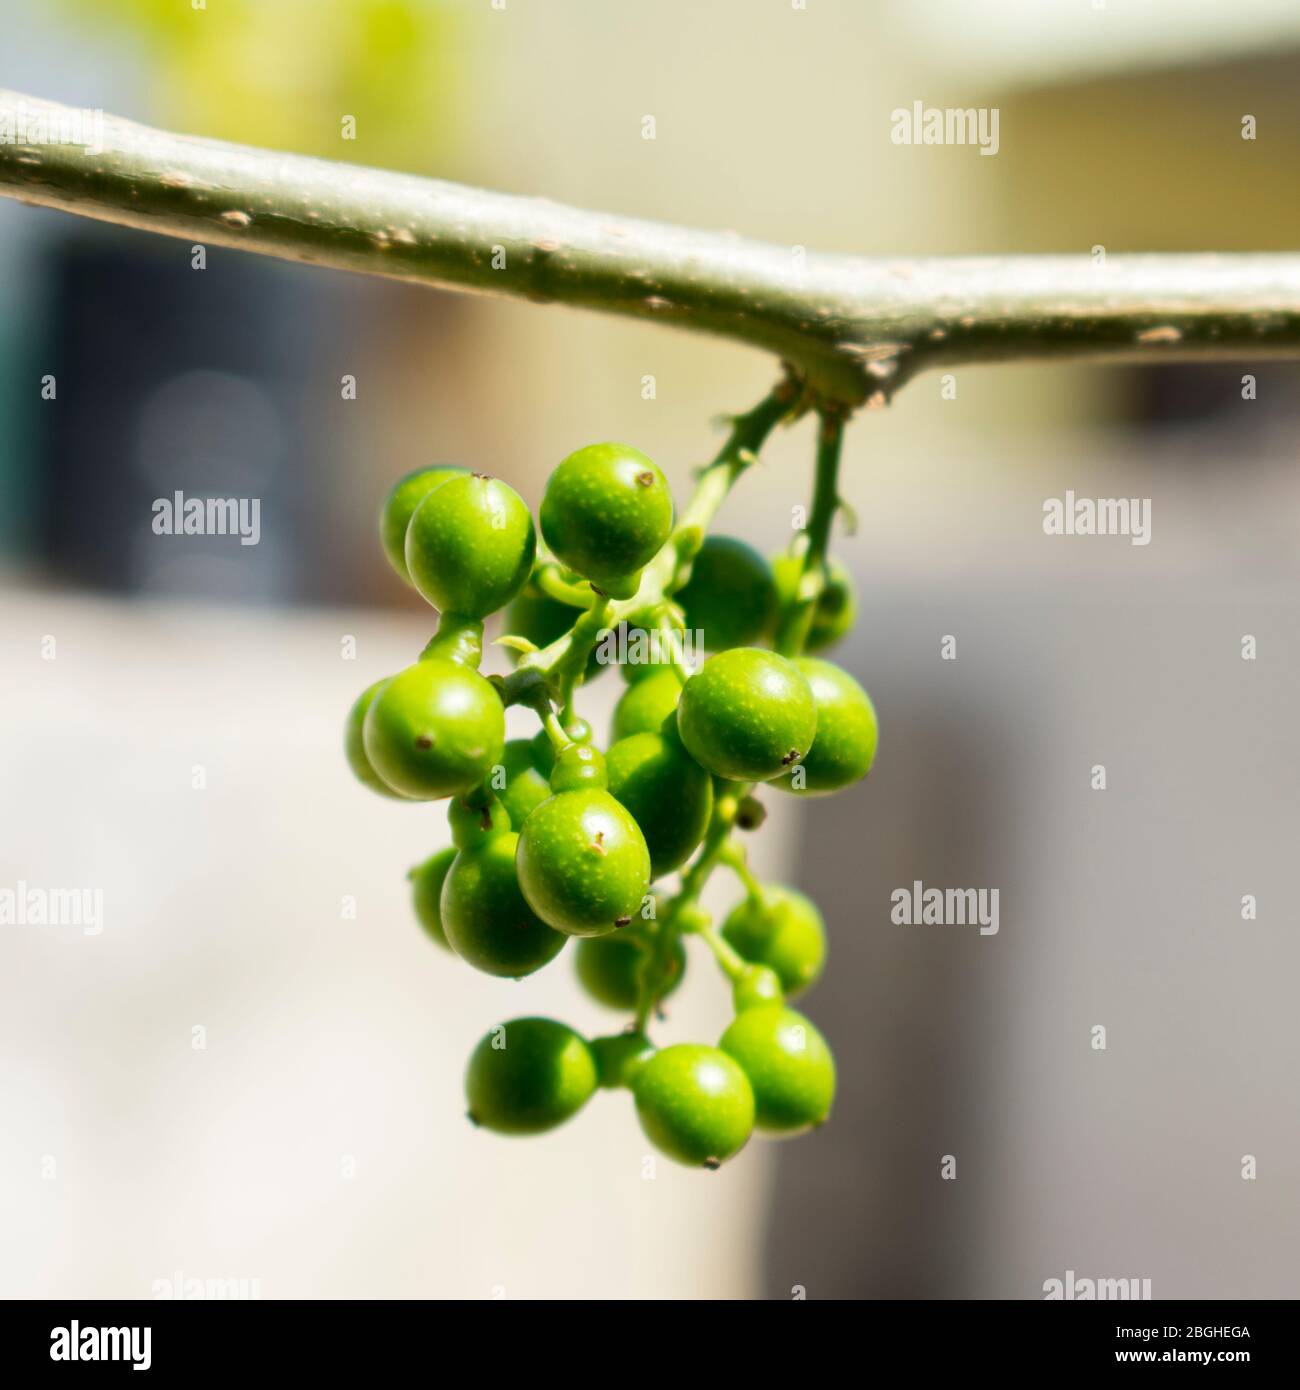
x,y
426,891
668,793
691,917
470,545
730,596
620,1056
788,1065
484,915
756,986
544,750
542,619
537,616
525,787
435,729
609,967
583,863
847,732
645,705
748,715
606,512
395,515
642,654
528,1076
782,930
695,1104
837,606
354,744
578,767
474,818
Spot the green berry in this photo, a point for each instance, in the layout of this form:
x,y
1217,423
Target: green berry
x,y
583,863
426,891
620,1056
355,748
643,707
748,715
755,986
691,917
523,786
435,729
578,767
395,515
485,917
470,545
544,750
609,967
642,654
538,617
847,733
606,512
788,1064
730,596
542,619
668,793
784,931
836,607
475,818
528,1076
695,1104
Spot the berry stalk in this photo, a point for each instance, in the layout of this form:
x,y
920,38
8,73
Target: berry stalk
x,y
796,622
685,904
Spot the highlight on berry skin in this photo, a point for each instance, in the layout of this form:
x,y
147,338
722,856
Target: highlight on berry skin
x,y
559,839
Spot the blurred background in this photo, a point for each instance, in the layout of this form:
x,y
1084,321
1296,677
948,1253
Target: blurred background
x,y
173,704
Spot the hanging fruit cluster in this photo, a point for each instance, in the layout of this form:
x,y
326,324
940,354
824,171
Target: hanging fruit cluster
x,y
555,839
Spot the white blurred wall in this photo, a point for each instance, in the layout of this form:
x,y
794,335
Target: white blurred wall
x,y
332,1045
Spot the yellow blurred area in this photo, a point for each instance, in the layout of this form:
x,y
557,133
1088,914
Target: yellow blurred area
x,y
285,74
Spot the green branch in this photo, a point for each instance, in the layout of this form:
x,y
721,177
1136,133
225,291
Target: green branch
x,y
854,329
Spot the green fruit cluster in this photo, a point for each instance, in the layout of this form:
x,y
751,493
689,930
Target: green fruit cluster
x,y
554,837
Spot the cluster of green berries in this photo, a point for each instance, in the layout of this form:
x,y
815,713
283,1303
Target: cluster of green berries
x,y
553,838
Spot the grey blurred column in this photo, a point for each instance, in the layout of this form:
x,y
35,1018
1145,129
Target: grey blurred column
x,y
1119,907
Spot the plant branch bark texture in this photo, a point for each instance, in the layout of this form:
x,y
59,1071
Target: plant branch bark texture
x,y
853,329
